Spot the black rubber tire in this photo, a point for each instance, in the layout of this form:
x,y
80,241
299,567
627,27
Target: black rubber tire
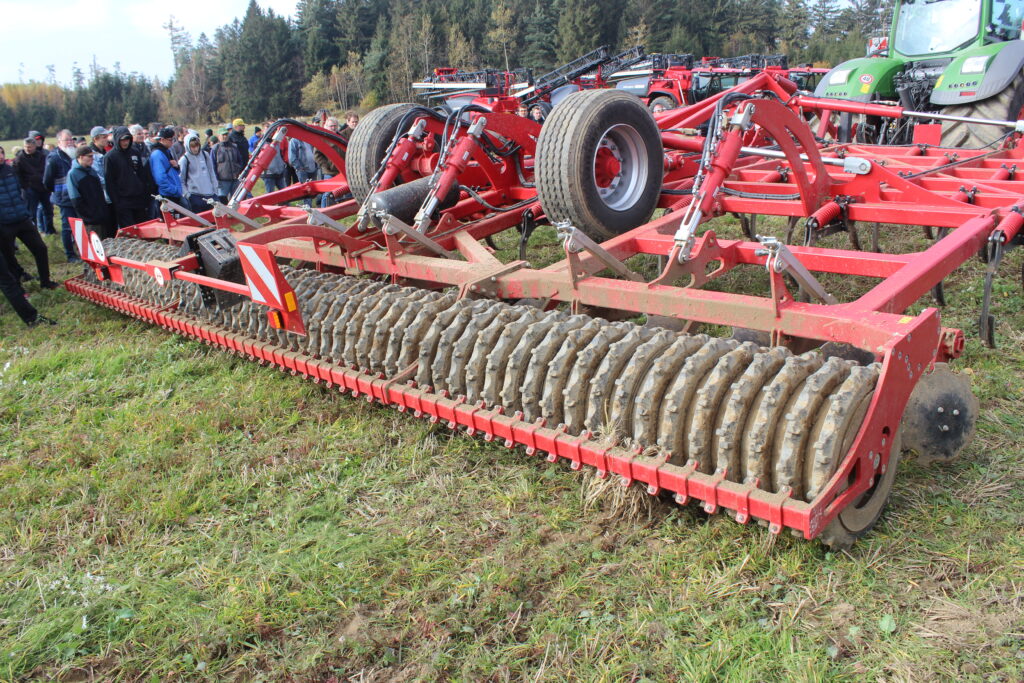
x,y
367,146
566,150
663,100
1003,107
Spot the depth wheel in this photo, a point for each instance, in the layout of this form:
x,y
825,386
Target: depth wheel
x,y
599,163
862,515
367,146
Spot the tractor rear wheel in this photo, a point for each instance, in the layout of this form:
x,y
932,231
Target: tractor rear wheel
x,y
1006,106
368,144
665,101
599,163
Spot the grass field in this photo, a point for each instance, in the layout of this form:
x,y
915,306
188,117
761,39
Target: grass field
x,y
172,512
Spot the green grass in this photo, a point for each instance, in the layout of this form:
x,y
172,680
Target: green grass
x,y
171,512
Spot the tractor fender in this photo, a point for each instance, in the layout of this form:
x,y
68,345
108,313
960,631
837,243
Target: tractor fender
x,y
1005,61
860,79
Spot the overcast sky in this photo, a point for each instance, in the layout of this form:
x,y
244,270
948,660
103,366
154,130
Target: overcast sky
x,y
67,31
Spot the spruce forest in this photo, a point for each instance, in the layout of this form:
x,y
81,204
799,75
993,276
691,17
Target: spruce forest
x,y
362,53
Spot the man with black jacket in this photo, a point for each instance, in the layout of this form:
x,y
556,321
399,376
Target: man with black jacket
x,y
86,191
129,182
15,224
29,165
238,139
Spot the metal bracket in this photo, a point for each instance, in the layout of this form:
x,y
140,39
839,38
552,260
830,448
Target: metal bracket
x,y
487,284
166,204
393,226
576,241
781,260
318,218
220,210
995,249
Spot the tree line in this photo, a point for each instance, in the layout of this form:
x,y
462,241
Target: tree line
x,y
361,53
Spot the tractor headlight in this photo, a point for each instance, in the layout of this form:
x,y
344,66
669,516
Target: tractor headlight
x,y
974,65
839,76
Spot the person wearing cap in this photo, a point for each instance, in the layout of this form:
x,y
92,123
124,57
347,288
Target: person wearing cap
x,y
28,166
237,138
165,167
15,224
100,136
86,191
43,215
228,165
129,182
210,140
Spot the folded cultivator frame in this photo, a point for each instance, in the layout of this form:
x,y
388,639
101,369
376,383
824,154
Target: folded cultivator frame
x,y
795,421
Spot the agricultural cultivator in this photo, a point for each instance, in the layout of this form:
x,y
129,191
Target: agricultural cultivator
x,y
776,396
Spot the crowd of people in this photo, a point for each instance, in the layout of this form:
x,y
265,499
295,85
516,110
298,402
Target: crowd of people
x,y
111,178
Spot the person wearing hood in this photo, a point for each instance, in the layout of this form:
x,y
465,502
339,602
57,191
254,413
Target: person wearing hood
x,y
129,183
165,167
55,176
300,156
29,165
198,177
85,187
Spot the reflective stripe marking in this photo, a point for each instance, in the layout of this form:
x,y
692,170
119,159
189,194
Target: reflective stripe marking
x,y
265,276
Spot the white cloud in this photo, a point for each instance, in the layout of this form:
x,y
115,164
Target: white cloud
x,y
115,31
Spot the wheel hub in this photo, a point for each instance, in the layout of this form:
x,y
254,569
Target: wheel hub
x,y
620,167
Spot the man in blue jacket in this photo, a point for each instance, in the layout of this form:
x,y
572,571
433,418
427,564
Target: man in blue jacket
x,y
15,224
165,167
55,174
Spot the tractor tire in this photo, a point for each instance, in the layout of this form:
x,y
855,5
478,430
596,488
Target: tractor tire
x,y
368,144
663,100
599,163
1006,106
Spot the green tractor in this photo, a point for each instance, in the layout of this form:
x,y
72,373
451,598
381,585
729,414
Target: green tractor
x,y
957,57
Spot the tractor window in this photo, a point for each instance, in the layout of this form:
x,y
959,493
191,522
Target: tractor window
x,y
926,28
1006,18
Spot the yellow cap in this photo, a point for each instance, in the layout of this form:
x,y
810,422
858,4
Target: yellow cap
x,y
238,122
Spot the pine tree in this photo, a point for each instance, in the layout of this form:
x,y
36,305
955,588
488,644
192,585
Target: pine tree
x,y
502,32
318,25
578,29
538,48
262,66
